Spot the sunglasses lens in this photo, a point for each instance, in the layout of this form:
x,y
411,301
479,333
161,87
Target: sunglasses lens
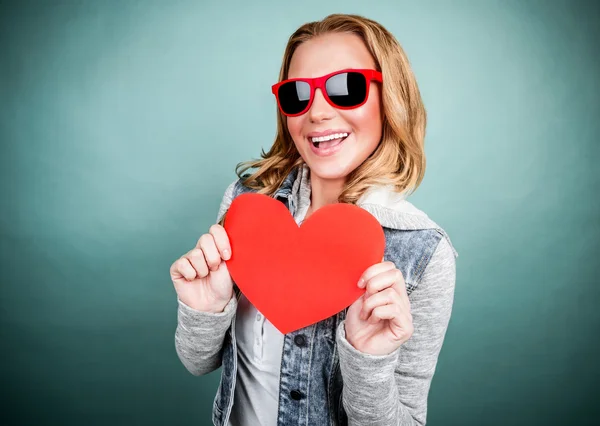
x,y
347,89
294,96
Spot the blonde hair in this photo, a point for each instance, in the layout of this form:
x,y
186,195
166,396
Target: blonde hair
x,y
399,158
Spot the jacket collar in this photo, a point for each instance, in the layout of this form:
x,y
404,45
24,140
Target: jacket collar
x,y
388,206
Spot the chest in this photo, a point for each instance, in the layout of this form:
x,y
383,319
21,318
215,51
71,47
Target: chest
x,y
305,363
259,342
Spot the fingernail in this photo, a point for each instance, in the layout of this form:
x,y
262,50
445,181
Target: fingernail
x,y
361,283
226,254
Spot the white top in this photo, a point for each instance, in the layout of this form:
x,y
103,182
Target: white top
x,y
260,344
259,349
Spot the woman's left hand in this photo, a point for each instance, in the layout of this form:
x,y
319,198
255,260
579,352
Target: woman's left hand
x,y
380,320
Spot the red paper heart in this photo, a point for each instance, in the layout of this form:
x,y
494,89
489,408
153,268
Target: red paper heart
x,y
297,276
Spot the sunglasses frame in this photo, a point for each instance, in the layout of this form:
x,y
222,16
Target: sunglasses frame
x,y
319,83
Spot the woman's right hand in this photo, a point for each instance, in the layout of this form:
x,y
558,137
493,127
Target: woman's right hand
x,y
201,277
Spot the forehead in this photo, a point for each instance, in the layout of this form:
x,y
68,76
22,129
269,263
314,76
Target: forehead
x,y
327,53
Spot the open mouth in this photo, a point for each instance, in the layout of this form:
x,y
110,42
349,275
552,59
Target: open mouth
x,y
329,141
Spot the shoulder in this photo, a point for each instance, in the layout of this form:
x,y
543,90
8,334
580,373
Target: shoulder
x,y
237,187
231,192
425,257
417,245
441,269
399,215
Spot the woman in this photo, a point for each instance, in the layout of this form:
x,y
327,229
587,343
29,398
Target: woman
x,y
351,127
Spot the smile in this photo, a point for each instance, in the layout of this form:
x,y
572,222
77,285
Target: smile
x,y
327,145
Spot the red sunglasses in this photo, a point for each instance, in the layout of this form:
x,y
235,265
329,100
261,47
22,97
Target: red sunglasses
x,y
344,89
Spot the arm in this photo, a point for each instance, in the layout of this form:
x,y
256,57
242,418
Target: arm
x,y
199,335
393,389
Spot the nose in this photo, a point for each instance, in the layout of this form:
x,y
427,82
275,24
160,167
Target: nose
x,y
320,109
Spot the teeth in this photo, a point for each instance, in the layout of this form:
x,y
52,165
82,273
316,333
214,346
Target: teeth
x,y
329,137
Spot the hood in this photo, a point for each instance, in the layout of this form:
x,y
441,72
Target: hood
x,y
388,206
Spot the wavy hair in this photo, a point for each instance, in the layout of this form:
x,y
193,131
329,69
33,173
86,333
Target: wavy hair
x,y
398,160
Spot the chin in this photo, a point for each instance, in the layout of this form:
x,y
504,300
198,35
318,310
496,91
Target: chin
x,y
331,172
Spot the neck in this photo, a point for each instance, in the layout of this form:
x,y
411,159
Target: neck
x,y
324,191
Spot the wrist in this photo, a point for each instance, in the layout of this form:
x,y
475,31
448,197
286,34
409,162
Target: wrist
x,y
211,308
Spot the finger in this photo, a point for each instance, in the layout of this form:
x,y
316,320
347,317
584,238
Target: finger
x,y
384,297
400,287
221,240
385,312
209,249
374,270
196,258
181,268
404,296
383,280
395,317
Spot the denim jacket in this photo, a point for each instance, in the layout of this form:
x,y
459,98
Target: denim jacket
x,y
311,377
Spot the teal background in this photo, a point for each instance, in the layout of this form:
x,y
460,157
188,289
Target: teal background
x,y
121,123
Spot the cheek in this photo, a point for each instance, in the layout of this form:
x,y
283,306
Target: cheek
x,y
372,115
372,108
294,125
366,120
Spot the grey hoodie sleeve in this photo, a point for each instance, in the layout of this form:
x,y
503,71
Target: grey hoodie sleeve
x,y
393,389
199,335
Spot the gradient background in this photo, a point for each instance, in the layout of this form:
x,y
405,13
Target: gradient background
x,y
121,124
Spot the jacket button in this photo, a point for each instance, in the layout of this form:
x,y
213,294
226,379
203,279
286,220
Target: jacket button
x,y
296,395
299,340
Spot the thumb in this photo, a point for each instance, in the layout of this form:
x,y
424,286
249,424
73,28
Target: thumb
x,y
353,313
358,302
